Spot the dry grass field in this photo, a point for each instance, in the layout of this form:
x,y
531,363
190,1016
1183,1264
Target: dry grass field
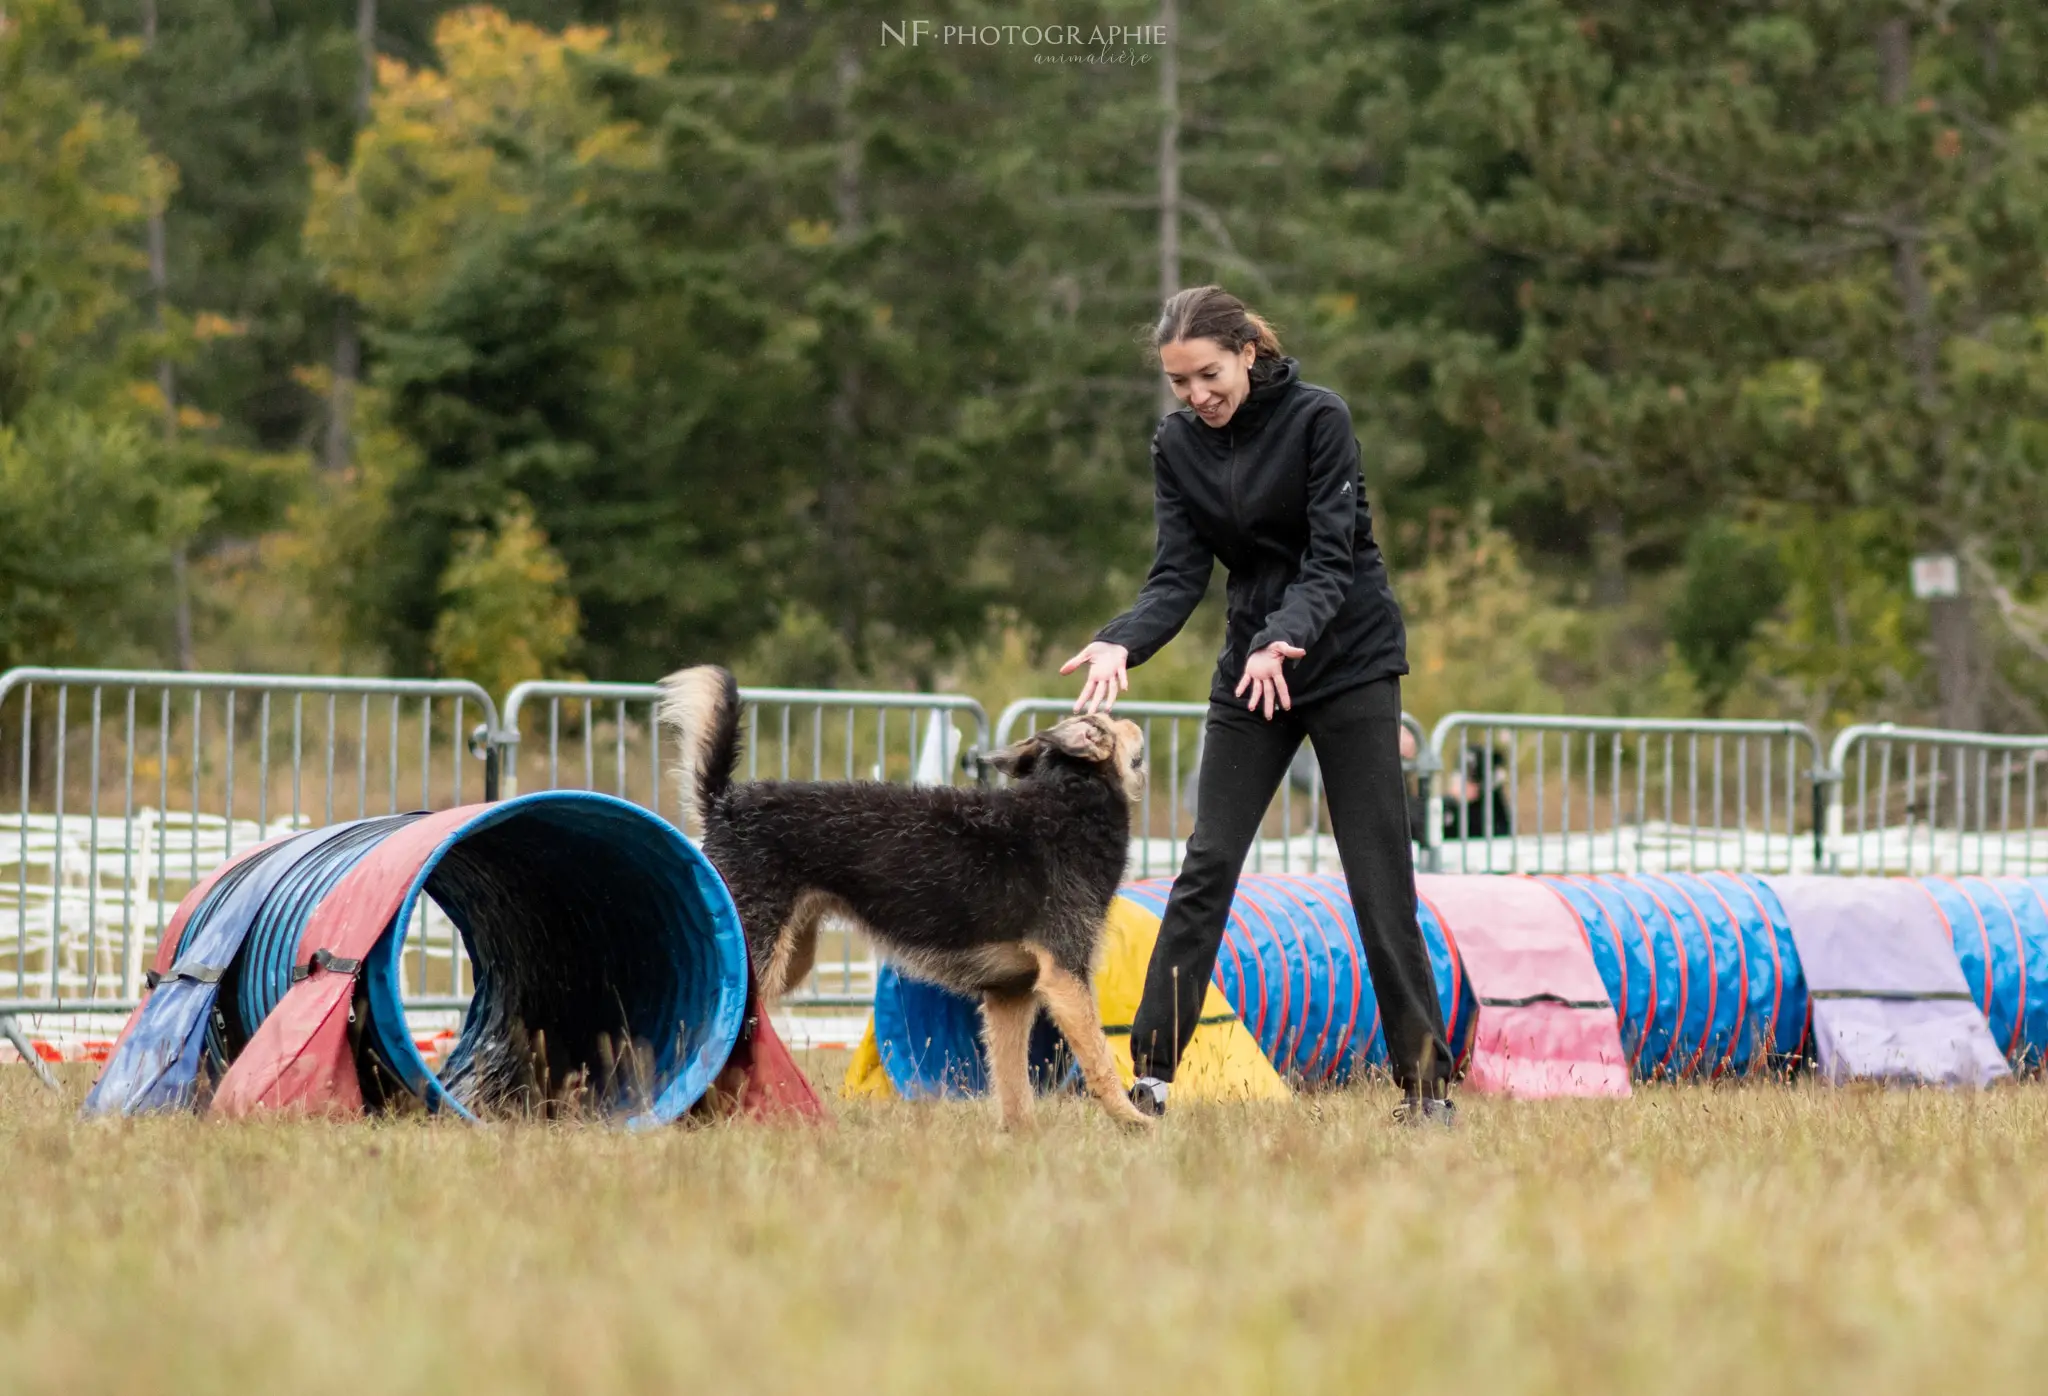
x,y
1690,1240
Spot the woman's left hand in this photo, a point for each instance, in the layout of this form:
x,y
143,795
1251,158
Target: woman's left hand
x,y
1263,676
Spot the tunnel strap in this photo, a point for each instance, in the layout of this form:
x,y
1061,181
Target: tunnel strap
x,y
326,959
1557,999
197,974
1896,995
1124,1029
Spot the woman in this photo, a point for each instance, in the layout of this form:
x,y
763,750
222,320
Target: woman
x,y
1260,471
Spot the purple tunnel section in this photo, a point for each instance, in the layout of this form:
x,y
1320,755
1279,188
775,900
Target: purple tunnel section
x,y
1890,999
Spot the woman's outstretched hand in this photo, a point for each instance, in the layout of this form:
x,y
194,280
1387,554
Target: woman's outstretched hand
x,y
1263,676
1106,676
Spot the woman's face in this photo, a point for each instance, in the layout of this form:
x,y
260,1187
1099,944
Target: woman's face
x,y
1208,377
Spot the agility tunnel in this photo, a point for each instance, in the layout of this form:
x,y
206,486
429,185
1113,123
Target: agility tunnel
x,y
1576,985
1290,1001
1721,974
1702,970
924,1042
605,950
1890,1000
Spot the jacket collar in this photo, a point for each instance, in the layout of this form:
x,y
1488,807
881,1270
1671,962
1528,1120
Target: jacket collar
x,y
1258,404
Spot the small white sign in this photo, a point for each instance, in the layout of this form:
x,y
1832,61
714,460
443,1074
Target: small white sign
x,y
1936,577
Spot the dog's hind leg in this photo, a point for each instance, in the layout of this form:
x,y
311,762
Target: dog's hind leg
x,y
1006,1033
1071,1002
793,948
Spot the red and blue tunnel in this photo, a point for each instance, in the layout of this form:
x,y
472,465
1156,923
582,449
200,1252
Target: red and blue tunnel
x,y
605,951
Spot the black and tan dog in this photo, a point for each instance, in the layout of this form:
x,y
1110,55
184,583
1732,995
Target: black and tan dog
x,y
997,894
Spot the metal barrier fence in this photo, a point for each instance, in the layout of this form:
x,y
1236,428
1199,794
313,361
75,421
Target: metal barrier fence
x,y
1925,801
121,789
603,736
1523,793
1287,842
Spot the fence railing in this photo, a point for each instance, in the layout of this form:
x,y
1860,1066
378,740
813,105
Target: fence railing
x,y
1293,836
1523,793
1917,800
604,736
120,789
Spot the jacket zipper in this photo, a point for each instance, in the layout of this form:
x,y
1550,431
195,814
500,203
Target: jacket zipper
x,y
1236,516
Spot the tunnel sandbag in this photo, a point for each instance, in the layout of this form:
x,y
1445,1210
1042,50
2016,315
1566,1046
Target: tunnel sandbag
x,y
605,950
1890,1001
2000,932
1546,1026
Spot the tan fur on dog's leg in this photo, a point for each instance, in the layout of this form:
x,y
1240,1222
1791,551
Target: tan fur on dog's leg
x,y
1006,1033
796,947
1072,1005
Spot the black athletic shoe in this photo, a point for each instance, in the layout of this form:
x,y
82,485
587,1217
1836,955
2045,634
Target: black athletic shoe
x,y
1419,1112
1149,1095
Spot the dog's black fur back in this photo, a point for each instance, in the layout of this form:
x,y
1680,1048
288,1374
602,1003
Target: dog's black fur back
x,y
948,882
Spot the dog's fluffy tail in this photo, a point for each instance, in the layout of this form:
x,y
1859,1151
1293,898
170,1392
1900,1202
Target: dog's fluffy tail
x,y
703,706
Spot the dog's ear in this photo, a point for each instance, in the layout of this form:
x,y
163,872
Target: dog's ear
x,y
1017,759
1087,737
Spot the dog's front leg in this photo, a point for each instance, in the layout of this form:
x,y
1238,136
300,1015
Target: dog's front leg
x,y
1071,1001
1006,1034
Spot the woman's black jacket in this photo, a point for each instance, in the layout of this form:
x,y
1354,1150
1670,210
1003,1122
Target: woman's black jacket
x,y
1276,496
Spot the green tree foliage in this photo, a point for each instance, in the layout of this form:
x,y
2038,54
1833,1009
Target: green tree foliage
x,y
505,617
76,181
1732,584
84,516
803,343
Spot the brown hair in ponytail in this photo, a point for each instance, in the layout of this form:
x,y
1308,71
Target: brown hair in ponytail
x,y
1210,312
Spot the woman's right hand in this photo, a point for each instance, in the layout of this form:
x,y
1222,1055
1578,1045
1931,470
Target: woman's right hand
x,y
1106,676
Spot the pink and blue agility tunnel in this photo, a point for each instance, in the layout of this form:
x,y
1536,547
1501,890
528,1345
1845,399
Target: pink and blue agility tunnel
x,y
591,926
1701,969
1702,976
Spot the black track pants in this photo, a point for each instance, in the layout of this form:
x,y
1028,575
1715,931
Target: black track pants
x,y
1357,738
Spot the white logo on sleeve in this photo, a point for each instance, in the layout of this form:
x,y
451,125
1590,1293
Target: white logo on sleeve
x,y
1346,489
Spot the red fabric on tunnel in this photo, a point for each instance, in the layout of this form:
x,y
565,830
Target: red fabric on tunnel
x,y
761,1079
1546,1026
299,1057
